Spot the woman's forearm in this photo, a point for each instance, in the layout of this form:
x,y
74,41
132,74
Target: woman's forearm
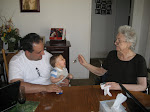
x,y
135,87
140,86
95,70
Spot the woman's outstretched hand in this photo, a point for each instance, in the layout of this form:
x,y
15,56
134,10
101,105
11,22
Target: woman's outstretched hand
x,y
81,59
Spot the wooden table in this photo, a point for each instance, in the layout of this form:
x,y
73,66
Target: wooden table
x,y
78,99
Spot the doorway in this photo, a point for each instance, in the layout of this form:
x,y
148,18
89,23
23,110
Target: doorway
x,y
104,27
104,30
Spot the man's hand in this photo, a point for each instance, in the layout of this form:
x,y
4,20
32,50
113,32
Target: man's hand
x,y
65,82
36,88
70,76
53,88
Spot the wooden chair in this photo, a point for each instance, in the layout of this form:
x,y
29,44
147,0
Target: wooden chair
x,y
6,59
148,83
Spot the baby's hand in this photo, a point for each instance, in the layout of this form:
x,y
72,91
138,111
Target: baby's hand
x,y
61,76
70,76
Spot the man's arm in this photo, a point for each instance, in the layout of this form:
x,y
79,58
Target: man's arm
x,y
35,88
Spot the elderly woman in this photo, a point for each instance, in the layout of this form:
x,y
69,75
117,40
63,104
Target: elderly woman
x,y
122,65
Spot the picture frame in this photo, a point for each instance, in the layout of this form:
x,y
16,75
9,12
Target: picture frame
x,y
97,11
98,5
108,6
109,12
29,5
109,1
103,12
56,33
103,7
97,1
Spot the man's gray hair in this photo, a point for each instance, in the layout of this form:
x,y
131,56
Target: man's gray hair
x,y
129,34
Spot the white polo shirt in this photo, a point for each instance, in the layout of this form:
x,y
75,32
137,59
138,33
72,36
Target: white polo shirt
x,y
35,72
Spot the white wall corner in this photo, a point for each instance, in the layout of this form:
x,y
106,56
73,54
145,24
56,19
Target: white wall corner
x,y
137,19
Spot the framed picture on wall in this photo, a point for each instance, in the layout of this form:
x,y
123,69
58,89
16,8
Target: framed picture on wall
x,y
97,11
108,1
108,6
97,1
98,6
30,5
56,34
103,12
108,12
103,7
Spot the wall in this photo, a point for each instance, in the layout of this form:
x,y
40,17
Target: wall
x,y
141,24
102,34
146,28
73,15
103,27
122,13
147,55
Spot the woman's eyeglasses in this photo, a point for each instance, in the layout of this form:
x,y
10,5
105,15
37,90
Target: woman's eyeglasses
x,y
117,41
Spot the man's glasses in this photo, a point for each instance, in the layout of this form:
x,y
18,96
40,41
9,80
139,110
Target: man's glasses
x,y
38,72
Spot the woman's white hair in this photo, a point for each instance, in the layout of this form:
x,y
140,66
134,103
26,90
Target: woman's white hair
x,y
129,34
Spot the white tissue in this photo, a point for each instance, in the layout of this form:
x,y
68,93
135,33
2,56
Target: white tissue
x,y
106,89
119,100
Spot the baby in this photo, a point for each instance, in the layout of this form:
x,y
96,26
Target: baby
x,y
59,71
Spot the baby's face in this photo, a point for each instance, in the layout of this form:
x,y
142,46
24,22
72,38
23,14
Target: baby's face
x,y
61,62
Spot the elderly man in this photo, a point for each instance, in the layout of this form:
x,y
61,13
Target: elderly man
x,y
31,66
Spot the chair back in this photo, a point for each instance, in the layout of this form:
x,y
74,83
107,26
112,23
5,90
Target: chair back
x,y
6,59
